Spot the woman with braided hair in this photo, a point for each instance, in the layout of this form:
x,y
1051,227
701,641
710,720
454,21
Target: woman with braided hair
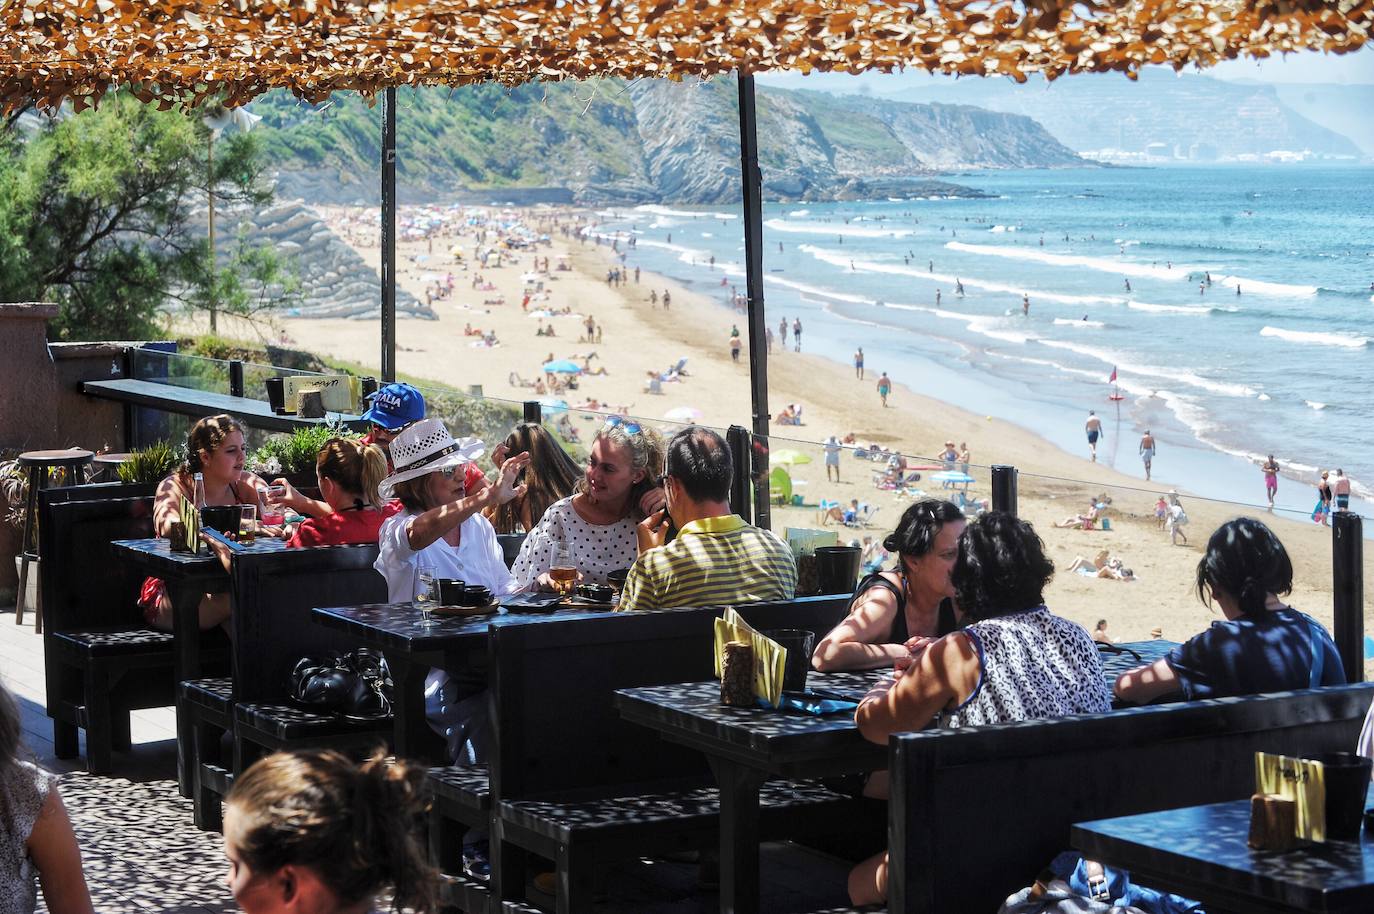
x,y
1263,645
315,833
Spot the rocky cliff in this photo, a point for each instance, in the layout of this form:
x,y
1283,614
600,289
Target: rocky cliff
x,y
647,141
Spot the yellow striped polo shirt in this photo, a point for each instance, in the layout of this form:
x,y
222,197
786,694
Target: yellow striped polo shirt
x,y
713,561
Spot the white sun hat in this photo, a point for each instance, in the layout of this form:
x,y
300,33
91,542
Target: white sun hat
x,y
426,447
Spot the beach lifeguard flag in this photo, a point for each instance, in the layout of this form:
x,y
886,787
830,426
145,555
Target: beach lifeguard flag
x,y
1112,379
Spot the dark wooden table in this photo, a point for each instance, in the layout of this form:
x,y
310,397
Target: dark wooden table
x,y
455,644
1200,852
188,578
746,746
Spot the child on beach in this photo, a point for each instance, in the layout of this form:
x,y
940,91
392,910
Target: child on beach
x,y
1161,512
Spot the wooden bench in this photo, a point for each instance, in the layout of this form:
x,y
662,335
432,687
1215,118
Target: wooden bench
x,y
977,813
101,659
272,596
574,783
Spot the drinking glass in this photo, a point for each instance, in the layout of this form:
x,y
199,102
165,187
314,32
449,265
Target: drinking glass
x,y
273,514
424,594
248,523
562,572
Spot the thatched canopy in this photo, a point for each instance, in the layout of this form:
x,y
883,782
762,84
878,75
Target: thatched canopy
x,y
180,51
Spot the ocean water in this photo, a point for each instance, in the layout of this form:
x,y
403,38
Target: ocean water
x,y
1275,355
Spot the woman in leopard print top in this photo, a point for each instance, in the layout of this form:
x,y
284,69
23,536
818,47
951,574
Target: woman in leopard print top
x,y
1013,660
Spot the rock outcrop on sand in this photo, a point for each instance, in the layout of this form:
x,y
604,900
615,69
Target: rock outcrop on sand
x,y
334,280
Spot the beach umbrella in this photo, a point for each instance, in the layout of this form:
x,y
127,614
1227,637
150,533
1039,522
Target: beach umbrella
x,y
683,414
562,366
552,406
953,477
788,457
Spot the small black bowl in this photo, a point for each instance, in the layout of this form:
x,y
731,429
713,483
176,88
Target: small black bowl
x,y
224,518
617,578
450,592
595,593
476,595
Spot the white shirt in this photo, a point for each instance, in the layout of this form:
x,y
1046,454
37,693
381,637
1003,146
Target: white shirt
x,y
597,549
476,560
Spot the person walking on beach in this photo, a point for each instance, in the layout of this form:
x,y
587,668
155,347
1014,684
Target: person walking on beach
x,y
1341,489
859,363
1270,469
782,331
735,345
884,387
832,449
1094,429
1323,509
768,338
796,333
667,299
1177,520
653,298
1147,451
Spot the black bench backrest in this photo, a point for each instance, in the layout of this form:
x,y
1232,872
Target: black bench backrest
x,y
85,585
99,491
273,595
981,811
817,614
556,727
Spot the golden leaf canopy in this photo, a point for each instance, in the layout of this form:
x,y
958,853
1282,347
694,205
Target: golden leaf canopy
x,y
178,52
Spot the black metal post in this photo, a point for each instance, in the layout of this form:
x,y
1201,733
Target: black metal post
x,y
740,484
235,378
533,412
133,418
1347,584
389,235
752,179
1004,488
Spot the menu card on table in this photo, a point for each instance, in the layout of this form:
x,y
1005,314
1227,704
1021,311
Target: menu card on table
x,y
1299,780
770,658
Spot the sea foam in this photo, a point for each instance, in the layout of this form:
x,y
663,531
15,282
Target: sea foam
x,y
833,228
1346,340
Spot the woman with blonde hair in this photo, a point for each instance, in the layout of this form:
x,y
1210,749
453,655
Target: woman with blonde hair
x,y
36,837
597,522
349,473
217,450
315,832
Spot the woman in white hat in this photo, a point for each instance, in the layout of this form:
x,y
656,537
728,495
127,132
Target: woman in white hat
x,y
441,529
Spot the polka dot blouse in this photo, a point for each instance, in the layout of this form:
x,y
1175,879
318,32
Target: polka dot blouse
x,y
597,549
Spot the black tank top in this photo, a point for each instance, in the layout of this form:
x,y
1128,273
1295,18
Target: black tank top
x,y
944,624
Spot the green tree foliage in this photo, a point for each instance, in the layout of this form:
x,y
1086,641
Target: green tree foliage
x,y
103,212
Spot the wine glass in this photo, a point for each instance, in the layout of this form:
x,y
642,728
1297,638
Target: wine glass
x,y
424,594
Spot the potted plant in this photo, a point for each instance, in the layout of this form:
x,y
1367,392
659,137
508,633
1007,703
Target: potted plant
x,y
152,464
293,456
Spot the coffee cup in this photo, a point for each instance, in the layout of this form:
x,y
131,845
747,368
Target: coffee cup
x,y
476,595
450,591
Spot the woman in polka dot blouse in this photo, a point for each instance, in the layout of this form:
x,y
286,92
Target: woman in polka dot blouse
x,y
597,522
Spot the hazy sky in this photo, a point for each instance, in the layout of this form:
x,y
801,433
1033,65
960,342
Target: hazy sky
x,y
1307,67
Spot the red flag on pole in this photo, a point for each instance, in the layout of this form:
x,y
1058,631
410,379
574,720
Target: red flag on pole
x,y
1113,377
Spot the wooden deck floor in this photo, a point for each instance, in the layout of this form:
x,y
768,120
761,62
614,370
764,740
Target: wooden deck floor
x,y
143,855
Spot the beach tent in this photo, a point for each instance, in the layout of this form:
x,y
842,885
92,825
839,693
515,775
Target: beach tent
x,y
552,406
788,457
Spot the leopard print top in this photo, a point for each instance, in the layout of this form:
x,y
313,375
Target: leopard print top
x,y
1034,665
24,788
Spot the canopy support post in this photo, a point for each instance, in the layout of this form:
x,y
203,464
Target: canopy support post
x,y
752,178
389,236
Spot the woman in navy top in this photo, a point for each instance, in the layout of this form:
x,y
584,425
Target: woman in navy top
x,y
1263,646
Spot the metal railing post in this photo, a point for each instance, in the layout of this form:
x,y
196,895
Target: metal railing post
x,y
235,378
740,483
1347,585
533,412
1004,488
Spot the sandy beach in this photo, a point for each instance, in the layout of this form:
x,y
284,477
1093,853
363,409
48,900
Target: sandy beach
x,y
636,338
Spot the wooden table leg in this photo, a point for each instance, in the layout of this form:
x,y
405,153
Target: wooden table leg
x,y
186,665
411,734
739,835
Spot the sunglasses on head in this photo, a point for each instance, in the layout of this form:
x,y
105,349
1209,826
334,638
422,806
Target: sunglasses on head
x,y
631,427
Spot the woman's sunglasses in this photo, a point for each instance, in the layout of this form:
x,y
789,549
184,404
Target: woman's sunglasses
x,y
631,427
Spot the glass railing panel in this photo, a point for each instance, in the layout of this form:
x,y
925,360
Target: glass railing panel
x,y
178,370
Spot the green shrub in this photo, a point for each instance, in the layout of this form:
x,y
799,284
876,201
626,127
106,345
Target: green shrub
x,y
296,452
151,464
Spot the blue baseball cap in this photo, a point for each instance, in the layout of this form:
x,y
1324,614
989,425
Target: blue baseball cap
x,y
396,406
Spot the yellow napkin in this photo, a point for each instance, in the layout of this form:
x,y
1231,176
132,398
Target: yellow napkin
x,y
769,657
1300,780
190,519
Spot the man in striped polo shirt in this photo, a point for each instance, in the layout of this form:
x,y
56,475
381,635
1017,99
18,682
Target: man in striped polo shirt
x,y
716,557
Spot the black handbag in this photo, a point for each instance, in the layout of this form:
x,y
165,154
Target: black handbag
x,y
357,684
